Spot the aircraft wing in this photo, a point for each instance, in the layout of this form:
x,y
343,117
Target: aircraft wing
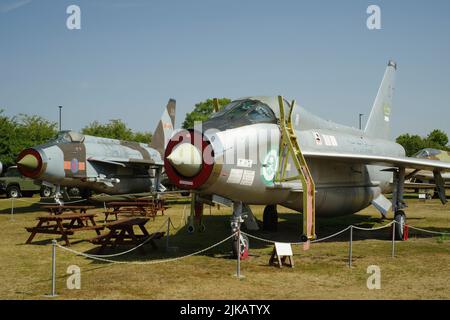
x,y
399,162
122,162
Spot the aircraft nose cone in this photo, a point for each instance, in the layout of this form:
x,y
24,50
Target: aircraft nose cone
x,y
186,159
29,161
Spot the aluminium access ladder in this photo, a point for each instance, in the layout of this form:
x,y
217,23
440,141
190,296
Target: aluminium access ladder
x,y
289,146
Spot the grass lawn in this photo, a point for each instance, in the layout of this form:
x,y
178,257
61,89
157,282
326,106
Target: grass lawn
x,y
420,270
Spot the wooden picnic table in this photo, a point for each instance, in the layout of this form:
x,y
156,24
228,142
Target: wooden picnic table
x,y
122,232
55,225
145,208
59,209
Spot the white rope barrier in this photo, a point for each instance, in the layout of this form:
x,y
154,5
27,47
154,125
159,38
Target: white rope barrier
x,y
296,243
145,262
376,228
428,231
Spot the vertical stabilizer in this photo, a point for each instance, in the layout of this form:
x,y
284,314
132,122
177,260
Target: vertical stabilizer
x,y
378,124
164,130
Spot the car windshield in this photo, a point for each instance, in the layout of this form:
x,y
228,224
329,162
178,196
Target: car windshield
x,y
12,172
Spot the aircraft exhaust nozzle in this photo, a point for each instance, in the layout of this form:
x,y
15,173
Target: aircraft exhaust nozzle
x,y
29,162
186,159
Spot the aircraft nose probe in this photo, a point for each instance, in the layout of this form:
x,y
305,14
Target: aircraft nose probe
x,y
186,159
29,161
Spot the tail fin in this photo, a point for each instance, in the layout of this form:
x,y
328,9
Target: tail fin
x,y
378,125
165,127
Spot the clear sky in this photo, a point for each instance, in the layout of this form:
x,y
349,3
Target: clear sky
x,y
131,56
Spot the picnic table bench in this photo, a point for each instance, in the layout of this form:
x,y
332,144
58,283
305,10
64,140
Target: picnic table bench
x,y
145,208
59,209
55,225
122,232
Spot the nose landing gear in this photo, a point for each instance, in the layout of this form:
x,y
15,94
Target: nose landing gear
x,y
240,244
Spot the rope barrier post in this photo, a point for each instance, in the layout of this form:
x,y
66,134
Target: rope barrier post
x,y
53,294
238,245
350,248
12,209
167,234
393,239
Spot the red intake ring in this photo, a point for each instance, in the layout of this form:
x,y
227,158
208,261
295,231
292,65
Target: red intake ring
x,y
197,139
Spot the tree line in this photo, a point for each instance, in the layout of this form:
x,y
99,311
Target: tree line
x,y
23,131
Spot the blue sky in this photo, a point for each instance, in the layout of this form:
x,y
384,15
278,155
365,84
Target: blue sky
x,y
130,57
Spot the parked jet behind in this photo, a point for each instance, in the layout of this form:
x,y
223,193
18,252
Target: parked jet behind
x,y
236,155
424,181
432,154
105,165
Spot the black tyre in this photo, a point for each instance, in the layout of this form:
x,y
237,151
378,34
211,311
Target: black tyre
x,y
46,192
244,247
73,192
13,192
400,219
270,218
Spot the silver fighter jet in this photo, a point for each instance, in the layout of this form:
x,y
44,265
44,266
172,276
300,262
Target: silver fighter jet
x,y
105,165
236,157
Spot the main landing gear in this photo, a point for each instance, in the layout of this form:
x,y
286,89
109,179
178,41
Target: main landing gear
x,y
270,218
240,244
397,202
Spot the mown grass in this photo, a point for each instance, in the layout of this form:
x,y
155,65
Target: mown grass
x,y
420,269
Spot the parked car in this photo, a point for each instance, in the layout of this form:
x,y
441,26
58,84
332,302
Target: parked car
x,y
15,185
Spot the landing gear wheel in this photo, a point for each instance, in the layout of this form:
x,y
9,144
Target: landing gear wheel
x,y
270,218
202,228
46,192
244,246
400,218
190,229
13,192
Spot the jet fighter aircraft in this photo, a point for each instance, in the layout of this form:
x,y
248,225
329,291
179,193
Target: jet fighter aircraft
x,y
105,165
423,181
239,155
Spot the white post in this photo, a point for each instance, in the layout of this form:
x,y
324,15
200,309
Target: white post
x,y
167,234
53,294
350,248
393,239
238,244
12,208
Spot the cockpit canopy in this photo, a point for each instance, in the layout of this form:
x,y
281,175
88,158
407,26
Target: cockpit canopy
x,y
427,153
240,113
69,137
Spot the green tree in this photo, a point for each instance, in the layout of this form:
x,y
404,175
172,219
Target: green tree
x,y
8,140
411,143
144,137
202,111
20,132
437,139
116,129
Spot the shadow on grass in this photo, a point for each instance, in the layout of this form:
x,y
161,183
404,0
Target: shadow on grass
x,y
218,228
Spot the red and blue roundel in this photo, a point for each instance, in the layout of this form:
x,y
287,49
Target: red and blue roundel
x,y
74,165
